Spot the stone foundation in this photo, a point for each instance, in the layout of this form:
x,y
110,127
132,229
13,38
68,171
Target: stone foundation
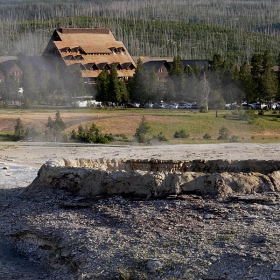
x,y
154,178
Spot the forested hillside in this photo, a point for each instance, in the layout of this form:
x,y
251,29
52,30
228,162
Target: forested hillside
x,y
193,29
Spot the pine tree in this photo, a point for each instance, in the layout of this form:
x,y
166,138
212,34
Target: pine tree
x,y
102,86
44,82
248,84
29,83
123,95
142,130
152,86
205,90
268,86
136,84
19,130
113,87
176,74
56,127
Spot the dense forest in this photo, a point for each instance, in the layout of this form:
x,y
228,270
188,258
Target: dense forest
x,y
230,33
163,28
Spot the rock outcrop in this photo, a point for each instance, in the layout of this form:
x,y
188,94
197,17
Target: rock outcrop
x,y
153,178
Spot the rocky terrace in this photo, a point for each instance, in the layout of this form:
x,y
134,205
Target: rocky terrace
x,y
143,219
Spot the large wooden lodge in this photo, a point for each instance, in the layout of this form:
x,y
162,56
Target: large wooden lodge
x,y
92,50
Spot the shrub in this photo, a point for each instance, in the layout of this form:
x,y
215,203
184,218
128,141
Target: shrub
x,y
19,133
123,136
91,135
223,133
33,133
181,134
142,130
234,138
247,115
261,113
206,136
203,109
160,137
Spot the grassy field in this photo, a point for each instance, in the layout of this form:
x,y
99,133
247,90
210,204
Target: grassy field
x,y
262,128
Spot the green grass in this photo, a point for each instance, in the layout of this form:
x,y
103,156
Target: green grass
x,y
6,136
264,128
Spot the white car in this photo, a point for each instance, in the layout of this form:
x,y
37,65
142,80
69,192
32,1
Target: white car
x,y
172,106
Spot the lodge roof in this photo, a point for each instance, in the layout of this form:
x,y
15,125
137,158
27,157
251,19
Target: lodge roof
x,y
191,63
94,48
7,65
156,64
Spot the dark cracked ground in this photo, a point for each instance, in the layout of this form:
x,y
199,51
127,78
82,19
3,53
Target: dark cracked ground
x,y
54,235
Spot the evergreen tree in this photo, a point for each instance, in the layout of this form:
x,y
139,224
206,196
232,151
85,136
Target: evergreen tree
x,y
152,86
278,91
113,87
176,74
44,82
77,83
170,91
231,88
29,83
217,62
248,84
56,127
205,91
19,130
191,87
57,84
268,86
102,86
9,89
123,94
267,61
142,130
137,83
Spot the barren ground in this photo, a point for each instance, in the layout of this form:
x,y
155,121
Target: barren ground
x,y
57,236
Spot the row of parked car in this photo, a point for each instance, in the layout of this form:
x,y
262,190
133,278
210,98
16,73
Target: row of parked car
x,y
253,106
163,105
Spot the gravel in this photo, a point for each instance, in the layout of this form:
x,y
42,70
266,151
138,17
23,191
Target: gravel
x,y
55,235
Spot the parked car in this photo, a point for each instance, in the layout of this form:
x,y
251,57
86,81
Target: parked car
x,y
246,106
274,106
184,105
172,106
195,105
132,105
160,105
259,106
231,106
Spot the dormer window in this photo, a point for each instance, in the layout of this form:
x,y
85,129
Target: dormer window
x,y
79,57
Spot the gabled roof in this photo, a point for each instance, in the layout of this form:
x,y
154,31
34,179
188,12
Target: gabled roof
x,y
96,48
128,66
156,64
191,63
8,65
6,58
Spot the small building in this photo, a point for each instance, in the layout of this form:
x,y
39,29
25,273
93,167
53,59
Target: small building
x,y
10,67
90,50
162,66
